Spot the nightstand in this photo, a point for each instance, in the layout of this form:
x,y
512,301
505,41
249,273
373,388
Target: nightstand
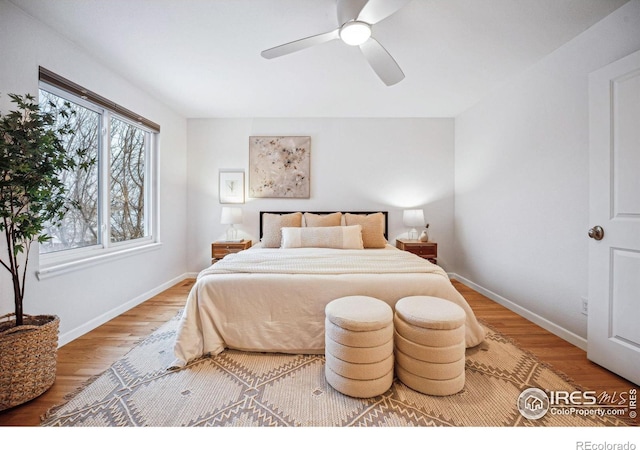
x,y
426,250
220,249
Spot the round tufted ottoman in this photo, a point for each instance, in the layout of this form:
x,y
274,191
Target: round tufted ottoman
x,y
359,346
429,345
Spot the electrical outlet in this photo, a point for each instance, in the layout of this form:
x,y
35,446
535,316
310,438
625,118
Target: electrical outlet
x,y
585,306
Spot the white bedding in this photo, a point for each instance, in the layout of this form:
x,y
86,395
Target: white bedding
x,y
273,300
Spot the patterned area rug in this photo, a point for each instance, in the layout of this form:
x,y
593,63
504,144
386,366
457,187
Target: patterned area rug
x,y
240,389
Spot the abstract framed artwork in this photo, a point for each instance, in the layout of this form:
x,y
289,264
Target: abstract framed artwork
x,y
279,166
231,186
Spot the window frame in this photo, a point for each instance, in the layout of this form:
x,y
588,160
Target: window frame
x,y
63,261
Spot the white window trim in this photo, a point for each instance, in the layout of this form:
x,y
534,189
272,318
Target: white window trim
x,y
66,261
98,256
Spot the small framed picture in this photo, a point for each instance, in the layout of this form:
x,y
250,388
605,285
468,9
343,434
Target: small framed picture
x,y
231,186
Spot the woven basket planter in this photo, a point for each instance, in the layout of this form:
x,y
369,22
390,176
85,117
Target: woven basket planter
x,y
28,356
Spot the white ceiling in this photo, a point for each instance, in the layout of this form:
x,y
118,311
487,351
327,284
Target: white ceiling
x,y
202,57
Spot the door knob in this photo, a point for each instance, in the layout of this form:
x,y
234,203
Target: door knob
x,y
596,233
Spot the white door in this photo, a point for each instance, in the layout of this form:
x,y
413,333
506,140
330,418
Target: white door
x,y
613,339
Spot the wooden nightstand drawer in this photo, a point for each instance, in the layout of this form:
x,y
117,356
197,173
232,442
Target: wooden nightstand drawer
x,y
221,249
426,250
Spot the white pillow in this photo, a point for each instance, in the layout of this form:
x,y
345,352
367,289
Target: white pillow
x,y
323,237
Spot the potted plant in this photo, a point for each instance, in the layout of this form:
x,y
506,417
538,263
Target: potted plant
x,y
32,194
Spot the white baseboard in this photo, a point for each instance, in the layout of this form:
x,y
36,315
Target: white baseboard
x,y
104,318
551,327
533,317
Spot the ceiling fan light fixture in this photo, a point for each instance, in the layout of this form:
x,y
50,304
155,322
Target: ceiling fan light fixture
x,y
355,32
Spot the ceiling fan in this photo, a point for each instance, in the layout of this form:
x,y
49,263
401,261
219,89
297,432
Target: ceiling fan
x,y
355,19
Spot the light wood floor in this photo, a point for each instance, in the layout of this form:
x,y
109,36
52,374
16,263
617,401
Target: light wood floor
x,y
91,354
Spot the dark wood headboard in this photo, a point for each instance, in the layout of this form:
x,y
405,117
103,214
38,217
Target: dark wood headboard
x,y
385,213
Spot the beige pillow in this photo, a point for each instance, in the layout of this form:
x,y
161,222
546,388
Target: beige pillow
x,y
273,223
323,220
372,228
323,237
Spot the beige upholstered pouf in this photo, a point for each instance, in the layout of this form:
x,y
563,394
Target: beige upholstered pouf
x,y
429,386
430,312
359,346
429,345
360,338
358,354
359,313
359,388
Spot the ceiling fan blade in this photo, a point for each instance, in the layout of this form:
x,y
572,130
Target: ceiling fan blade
x,y
376,10
300,44
349,10
382,62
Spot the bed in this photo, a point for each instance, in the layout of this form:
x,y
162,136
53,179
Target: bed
x,y
271,297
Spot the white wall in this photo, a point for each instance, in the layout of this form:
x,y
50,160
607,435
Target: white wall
x,y
356,164
85,298
522,181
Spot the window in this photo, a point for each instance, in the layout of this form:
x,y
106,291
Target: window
x,y
112,190
80,226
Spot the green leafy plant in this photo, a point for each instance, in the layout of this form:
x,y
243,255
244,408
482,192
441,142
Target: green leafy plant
x,y
32,193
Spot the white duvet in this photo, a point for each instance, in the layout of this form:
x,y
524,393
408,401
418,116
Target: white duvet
x,y
273,300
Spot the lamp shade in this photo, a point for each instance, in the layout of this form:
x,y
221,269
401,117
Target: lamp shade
x,y
413,218
230,215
